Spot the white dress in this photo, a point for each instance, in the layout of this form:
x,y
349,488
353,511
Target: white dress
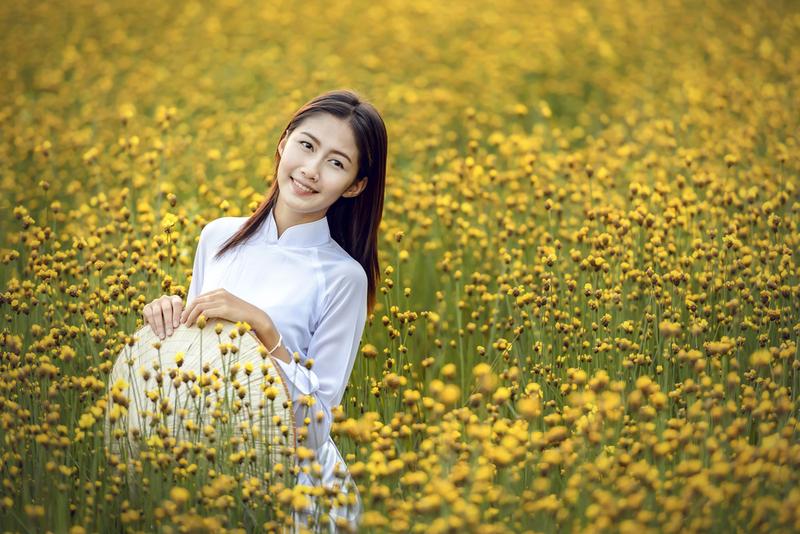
x,y
316,295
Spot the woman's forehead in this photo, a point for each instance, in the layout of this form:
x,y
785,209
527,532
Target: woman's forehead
x,y
329,131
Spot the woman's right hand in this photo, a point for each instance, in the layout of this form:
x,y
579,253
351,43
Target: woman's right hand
x,y
163,314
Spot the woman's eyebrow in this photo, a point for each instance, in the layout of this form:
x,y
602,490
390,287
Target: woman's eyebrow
x,y
334,151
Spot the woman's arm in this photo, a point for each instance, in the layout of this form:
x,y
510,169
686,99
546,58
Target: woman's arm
x,y
269,337
317,384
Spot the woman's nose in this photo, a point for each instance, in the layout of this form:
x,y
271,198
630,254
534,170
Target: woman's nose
x,y
310,170
310,176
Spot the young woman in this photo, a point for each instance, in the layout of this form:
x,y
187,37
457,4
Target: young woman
x,y
302,270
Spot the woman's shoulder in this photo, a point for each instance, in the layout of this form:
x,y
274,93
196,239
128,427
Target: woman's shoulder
x,y
341,269
221,228
339,260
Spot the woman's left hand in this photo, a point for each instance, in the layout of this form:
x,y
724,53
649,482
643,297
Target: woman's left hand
x,y
221,304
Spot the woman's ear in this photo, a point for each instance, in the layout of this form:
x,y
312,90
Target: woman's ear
x,y
356,189
282,144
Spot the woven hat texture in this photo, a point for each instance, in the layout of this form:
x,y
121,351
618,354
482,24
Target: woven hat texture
x,y
215,385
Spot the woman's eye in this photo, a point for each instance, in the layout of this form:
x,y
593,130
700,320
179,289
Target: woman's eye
x,y
304,143
338,163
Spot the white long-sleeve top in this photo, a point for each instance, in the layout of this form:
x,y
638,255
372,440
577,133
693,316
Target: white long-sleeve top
x,y
314,292
316,295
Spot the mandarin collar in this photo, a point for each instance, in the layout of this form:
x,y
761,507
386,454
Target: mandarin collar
x,y
311,234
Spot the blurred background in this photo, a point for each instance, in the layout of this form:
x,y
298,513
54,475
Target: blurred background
x,y
589,317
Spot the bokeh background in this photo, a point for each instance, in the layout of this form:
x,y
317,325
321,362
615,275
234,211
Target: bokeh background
x,y
589,317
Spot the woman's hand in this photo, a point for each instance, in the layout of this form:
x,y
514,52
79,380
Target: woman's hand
x,y
221,304
162,314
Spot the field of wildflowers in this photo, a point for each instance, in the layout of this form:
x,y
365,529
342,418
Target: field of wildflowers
x,y
589,320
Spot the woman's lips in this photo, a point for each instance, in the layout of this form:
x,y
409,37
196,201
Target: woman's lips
x,y
301,190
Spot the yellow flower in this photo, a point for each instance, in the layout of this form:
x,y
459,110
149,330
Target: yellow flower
x,y
669,329
168,221
428,504
86,421
761,358
369,351
34,511
300,502
501,395
481,369
450,394
179,495
373,519
126,111
449,371
411,396
529,407
304,453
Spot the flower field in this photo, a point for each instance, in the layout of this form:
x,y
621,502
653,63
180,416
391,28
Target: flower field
x,y
589,313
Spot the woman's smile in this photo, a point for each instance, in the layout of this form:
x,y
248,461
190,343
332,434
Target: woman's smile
x,y
300,189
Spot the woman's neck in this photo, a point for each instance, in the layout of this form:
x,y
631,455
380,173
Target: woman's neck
x,y
286,218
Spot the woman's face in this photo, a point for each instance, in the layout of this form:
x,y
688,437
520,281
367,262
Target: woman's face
x,y
321,154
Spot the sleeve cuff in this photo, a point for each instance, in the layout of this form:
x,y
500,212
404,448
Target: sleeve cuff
x,y
297,376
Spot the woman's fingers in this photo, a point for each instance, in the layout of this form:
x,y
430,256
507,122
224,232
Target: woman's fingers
x,y
206,309
177,308
156,319
147,313
165,319
152,311
163,314
188,310
208,304
192,313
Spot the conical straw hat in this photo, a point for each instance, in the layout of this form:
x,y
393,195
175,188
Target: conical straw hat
x,y
204,385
